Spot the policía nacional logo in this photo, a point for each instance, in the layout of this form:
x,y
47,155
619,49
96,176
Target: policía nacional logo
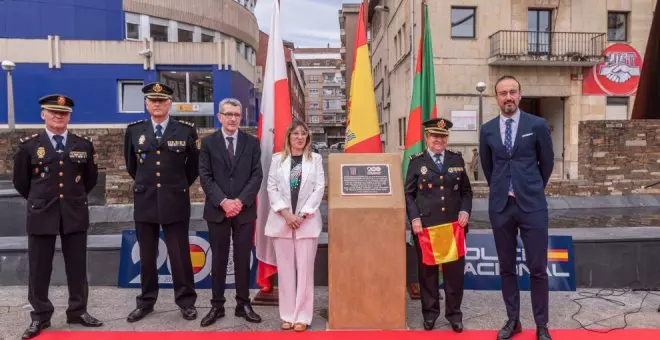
x,y
61,101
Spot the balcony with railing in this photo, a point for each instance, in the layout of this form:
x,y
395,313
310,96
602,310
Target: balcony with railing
x,y
519,48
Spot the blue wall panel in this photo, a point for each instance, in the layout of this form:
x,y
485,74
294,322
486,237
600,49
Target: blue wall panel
x,y
92,87
70,19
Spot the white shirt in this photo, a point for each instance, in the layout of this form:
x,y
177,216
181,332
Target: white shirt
x,y
52,141
235,141
514,126
163,125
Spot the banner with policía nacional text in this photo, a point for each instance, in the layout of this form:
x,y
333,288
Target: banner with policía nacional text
x,y
200,254
482,268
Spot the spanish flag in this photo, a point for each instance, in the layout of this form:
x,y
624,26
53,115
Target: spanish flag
x,y
362,129
442,243
558,255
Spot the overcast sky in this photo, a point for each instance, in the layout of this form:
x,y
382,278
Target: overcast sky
x,y
307,23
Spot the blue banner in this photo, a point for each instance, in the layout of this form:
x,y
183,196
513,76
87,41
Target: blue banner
x,y
482,269
200,253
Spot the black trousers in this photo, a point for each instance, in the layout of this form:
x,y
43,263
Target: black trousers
x,y
178,250
453,277
220,236
534,234
41,249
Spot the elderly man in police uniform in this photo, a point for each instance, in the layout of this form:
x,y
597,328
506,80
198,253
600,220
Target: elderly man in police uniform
x,y
55,170
438,191
161,156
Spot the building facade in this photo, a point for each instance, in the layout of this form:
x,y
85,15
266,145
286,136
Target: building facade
x,y
576,60
101,53
294,75
325,93
348,16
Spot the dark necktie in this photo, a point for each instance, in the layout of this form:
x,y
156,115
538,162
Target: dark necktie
x,y
438,160
59,145
159,132
230,148
508,143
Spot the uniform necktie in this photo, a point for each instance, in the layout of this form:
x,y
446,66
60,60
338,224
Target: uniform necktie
x,y
159,131
508,144
438,160
59,146
230,148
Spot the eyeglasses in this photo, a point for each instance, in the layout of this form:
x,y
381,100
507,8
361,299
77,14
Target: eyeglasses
x,y
232,115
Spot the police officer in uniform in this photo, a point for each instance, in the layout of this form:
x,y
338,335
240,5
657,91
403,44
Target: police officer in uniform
x,y
438,191
55,170
161,156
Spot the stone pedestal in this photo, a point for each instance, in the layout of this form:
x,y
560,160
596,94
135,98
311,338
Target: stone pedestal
x,y
366,245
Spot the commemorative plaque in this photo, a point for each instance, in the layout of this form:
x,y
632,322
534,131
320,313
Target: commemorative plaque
x,y
365,179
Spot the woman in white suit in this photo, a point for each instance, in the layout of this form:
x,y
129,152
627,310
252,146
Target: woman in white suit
x,y
296,184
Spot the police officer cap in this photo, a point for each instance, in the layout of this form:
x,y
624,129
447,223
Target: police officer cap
x,y
157,91
56,102
438,126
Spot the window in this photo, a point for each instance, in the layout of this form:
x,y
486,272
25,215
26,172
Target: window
x,y
314,119
130,96
207,38
185,35
189,87
158,32
617,26
313,92
132,26
463,22
538,25
617,108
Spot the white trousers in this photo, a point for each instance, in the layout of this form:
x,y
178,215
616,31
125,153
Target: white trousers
x,y
295,278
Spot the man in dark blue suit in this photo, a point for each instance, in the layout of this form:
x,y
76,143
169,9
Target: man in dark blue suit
x,y
517,159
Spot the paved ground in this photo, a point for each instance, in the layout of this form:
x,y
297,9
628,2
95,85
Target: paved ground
x,y
482,310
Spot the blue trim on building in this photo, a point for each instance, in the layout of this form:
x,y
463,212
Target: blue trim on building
x,y
70,19
94,89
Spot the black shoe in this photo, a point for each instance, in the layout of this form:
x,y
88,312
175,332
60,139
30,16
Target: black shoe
x,y
214,314
35,328
510,328
247,313
429,324
188,313
542,333
139,313
85,319
457,326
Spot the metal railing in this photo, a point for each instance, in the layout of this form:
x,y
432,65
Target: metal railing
x,y
549,46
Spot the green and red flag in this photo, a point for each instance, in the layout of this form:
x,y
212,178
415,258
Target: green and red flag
x,y
422,106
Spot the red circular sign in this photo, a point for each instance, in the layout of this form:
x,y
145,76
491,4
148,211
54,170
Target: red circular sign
x,y
619,74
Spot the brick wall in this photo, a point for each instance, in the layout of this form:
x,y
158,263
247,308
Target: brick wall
x,y
109,145
616,158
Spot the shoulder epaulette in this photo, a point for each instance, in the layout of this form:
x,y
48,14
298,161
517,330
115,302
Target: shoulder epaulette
x,y
192,125
137,122
455,152
416,155
89,139
27,138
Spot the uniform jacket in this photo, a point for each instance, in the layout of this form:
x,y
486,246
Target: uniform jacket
x,y
437,196
224,179
162,172
55,188
529,166
310,195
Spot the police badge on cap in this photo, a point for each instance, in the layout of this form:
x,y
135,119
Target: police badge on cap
x,y
157,91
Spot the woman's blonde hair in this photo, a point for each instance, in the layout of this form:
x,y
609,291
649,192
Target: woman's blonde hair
x,y
307,149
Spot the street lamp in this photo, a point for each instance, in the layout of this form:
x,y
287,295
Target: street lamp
x,y
481,87
9,66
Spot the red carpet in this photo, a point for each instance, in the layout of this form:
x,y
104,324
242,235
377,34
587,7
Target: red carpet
x,y
564,334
